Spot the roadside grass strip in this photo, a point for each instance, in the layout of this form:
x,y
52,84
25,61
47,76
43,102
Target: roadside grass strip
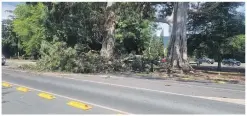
x,y
6,84
46,96
22,89
79,105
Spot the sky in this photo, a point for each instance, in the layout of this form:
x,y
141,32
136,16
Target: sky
x,y
8,6
12,6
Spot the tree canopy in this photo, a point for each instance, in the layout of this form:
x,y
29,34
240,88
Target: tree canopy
x,y
211,33
212,29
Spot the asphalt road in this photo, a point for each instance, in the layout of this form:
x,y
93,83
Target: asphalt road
x,y
118,95
15,102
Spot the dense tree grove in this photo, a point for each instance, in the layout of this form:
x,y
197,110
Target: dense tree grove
x,y
98,36
212,32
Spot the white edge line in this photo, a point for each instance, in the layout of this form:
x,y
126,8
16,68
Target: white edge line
x,y
133,87
137,88
108,108
179,83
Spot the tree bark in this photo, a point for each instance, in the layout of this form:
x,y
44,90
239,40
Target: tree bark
x,y
177,49
219,62
219,66
108,42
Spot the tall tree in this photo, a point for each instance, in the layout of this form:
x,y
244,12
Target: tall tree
x,y
108,42
28,25
177,21
133,30
10,41
213,31
77,24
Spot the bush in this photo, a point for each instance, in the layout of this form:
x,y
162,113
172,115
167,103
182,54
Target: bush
x,y
137,64
56,56
92,62
155,50
87,62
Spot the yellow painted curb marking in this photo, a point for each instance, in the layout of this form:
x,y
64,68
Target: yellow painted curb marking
x,y
46,96
6,84
22,89
79,105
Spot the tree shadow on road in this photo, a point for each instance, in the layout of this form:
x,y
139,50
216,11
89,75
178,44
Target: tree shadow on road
x,y
5,93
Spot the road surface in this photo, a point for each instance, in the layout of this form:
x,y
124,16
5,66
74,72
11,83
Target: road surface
x,y
118,95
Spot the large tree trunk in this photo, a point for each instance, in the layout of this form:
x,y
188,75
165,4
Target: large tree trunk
x,y
177,49
219,66
219,62
109,26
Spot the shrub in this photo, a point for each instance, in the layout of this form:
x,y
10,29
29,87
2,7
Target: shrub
x,y
92,62
56,56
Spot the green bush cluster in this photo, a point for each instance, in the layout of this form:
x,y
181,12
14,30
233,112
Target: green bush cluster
x,y
57,56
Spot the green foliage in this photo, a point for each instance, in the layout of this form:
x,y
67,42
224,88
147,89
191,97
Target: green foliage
x,y
211,32
29,26
134,36
155,50
236,48
134,30
64,34
10,39
76,23
56,56
238,43
68,36
92,62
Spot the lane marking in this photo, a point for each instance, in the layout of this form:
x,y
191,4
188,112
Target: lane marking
x,y
79,105
90,103
145,88
180,83
46,96
138,88
6,84
218,88
22,89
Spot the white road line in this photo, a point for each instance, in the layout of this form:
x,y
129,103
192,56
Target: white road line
x,y
144,88
179,83
108,108
219,88
137,88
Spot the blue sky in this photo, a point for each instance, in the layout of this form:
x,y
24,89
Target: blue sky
x,y
8,6
12,6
